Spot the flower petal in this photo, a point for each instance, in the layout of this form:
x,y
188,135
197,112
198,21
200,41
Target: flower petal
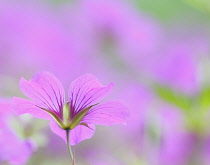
x,y
78,134
4,108
22,106
107,113
86,91
14,150
45,90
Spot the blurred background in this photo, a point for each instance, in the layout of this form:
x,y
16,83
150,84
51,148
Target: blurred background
x,y
156,53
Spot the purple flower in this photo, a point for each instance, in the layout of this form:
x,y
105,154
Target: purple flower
x,y
34,36
176,143
81,111
13,150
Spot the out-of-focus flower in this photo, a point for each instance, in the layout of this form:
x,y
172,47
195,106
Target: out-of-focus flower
x,y
176,143
13,150
113,31
81,111
33,36
176,66
175,63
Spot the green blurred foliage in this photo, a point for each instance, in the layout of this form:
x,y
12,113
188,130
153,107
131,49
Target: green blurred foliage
x,y
195,109
203,98
198,117
173,97
203,5
164,9
197,122
168,10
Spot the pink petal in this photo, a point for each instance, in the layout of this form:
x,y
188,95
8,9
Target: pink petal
x,y
14,150
45,90
107,113
4,108
86,91
21,106
78,134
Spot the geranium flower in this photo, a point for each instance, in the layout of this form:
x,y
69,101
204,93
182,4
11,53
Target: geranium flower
x,y
79,114
13,150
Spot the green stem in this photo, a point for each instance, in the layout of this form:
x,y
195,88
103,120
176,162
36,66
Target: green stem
x,y
69,147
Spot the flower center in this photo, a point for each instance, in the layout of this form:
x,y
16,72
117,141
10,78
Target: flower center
x,y
67,122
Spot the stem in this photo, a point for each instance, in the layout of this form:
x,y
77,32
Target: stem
x,y
69,148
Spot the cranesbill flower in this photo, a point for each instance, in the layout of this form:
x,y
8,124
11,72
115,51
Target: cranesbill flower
x,y
79,114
